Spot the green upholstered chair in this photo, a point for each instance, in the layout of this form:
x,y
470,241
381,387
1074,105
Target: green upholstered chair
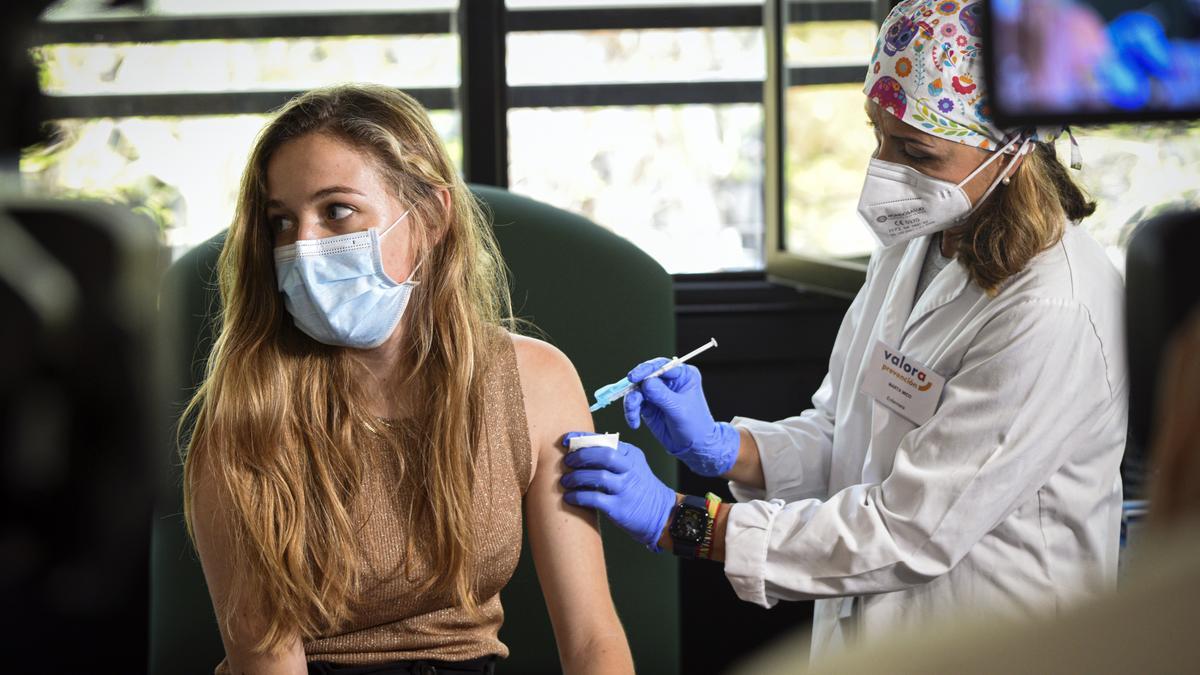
x,y
599,299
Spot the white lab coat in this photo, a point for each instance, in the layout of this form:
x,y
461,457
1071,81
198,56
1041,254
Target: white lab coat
x,y
1007,499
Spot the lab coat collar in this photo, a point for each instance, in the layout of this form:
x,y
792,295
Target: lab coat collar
x,y
945,288
899,301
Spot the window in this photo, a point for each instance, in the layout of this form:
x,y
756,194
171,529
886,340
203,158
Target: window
x,y
181,172
828,140
818,57
683,177
666,97
90,9
649,120
815,236
1134,172
160,114
276,64
682,181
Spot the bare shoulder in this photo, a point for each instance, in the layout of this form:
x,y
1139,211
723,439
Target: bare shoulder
x,y
554,399
543,367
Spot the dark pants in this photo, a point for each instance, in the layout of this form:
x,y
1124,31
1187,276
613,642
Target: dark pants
x,y
485,665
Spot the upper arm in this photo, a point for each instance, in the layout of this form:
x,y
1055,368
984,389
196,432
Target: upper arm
x,y
565,540
211,514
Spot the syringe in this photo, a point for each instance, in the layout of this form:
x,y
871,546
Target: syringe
x,y
617,390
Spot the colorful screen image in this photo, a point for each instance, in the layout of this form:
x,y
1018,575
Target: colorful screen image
x,y
1067,60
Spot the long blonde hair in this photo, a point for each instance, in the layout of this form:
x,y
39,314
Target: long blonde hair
x,y
1022,219
281,421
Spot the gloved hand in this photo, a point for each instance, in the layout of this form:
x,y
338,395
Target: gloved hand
x,y
674,408
618,483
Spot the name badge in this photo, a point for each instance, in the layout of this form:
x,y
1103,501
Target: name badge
x,y
905,386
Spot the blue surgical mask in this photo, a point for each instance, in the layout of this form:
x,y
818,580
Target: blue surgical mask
x,y
336,290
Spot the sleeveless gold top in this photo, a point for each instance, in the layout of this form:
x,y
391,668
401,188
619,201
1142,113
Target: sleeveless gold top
x,y
390,620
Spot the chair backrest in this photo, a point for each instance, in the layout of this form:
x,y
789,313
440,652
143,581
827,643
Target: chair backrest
x,y
599,299
607,306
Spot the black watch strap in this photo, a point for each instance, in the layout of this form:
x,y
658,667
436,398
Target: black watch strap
x,y
688,526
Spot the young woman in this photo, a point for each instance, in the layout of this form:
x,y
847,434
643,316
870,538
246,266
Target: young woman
x,y
962,454
369,434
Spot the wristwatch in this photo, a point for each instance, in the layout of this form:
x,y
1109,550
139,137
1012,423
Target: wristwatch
x,y
688,526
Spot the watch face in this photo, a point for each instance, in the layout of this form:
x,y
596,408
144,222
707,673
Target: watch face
x,y
689,525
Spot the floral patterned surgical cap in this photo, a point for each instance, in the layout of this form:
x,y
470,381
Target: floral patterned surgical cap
x,y
927,70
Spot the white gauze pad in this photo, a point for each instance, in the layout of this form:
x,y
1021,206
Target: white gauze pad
x,y
594,440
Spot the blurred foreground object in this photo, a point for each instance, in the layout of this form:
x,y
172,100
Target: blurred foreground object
x,y
79,433
1147,626
1175,495
1162,287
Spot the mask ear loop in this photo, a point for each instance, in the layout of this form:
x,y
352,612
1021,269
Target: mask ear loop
x,y
989,160
1005,177
395,222
1025,149
1025,141
413,273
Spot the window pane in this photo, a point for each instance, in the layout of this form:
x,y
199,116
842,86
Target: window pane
x,y
183,172
828,146
684,183
573,4
248,65
78,9
1134,172
828,142
823,43
635,56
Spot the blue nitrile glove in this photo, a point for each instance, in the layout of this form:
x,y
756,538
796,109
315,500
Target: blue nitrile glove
x,y
674,408
618,483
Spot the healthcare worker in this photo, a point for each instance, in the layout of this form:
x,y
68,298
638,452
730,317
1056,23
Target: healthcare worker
x,y
962,453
